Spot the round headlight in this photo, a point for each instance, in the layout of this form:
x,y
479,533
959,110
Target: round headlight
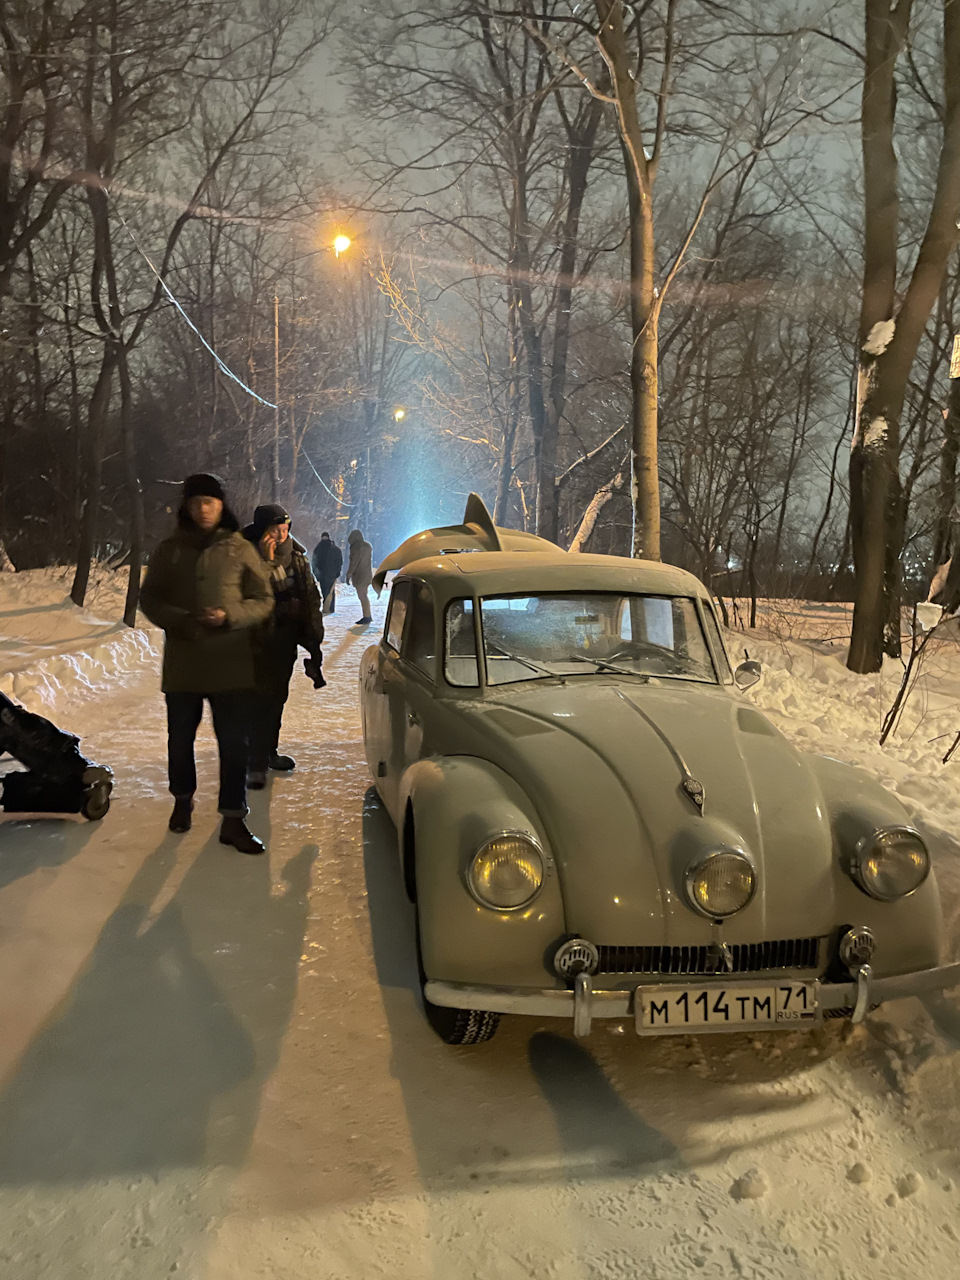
x,y
507,872
720,883
891,863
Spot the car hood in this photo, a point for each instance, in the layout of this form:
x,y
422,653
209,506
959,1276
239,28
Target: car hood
x,y
605,763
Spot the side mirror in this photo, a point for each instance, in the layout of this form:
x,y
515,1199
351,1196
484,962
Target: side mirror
x,y
747,674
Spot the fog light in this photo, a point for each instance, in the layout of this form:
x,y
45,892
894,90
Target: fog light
x,y
576,956
857,947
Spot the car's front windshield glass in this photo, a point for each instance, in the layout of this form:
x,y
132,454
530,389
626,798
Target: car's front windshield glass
x,y
601,633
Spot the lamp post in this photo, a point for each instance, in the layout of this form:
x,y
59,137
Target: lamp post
x,y
340,245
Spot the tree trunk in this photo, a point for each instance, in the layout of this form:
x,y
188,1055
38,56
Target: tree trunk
x,y
889,336
643,319
947,483
594,507
96,428
134,492
505,475
582,135
643,382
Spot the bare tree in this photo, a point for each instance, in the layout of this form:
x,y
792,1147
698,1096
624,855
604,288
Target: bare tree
x,y
129,107
892,324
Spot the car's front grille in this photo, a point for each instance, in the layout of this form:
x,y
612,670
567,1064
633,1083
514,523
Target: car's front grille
x,y
740,957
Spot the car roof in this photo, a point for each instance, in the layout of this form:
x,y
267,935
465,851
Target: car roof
x,y
511,572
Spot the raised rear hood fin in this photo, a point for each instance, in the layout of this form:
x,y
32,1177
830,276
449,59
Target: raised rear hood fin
x,y
477,533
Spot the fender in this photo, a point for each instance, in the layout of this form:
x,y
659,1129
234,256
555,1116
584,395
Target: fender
x,y
909,932
455,805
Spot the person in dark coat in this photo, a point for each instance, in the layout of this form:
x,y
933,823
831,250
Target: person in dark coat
x,y
327,565
360,572
208,590
297,620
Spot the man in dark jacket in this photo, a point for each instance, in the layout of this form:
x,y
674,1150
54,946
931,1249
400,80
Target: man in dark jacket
x,y
327,564
297,620
208,589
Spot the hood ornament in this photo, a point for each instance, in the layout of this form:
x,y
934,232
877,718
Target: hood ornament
x,y
694,790
691,786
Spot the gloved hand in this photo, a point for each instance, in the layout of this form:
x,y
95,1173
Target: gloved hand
x,y
311,669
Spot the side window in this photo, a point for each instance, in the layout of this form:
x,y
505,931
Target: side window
x,y
713,635
460,645
397,613
419,646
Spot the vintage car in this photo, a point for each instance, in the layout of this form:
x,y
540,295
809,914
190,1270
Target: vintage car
x,y
593,822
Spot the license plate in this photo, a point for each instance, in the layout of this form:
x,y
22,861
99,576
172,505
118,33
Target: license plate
x,y
676,1008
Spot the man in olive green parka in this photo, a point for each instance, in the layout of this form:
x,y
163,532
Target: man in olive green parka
x,y
208,589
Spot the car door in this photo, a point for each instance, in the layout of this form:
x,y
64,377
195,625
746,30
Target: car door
x,y
419,663
381,679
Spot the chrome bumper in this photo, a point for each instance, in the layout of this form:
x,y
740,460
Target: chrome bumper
x,y
584,1003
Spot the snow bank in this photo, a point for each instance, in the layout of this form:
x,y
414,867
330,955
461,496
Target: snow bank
x,y
821,706
52,654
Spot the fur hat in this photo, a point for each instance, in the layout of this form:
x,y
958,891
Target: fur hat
x,y
202,485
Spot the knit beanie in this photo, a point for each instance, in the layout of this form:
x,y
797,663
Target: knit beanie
x,y
268,514
202,485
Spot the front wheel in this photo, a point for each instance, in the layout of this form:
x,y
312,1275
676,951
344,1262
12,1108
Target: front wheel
x,y
455,1026
461,1026
96,802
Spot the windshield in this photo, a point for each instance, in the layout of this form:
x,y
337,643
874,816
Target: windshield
x,y
532,637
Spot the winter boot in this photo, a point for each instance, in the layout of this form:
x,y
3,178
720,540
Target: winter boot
x,y
256,779
234,831
181,819
282,764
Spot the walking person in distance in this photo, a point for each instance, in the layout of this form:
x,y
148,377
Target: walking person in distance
x,y
360,572
297,620
207,588
327,565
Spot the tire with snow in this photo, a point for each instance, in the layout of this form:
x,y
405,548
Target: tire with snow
x,y
455,1026
96,802
461,1026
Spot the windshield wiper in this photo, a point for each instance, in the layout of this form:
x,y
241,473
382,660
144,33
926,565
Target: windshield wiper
x,y
526,662
600,665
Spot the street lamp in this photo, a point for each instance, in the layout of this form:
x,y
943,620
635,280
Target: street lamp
x,y
340,244
399,414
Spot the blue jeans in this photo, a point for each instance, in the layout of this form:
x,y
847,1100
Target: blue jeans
x,y
231,716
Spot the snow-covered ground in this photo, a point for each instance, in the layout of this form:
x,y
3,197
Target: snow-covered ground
x,y
214,1066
